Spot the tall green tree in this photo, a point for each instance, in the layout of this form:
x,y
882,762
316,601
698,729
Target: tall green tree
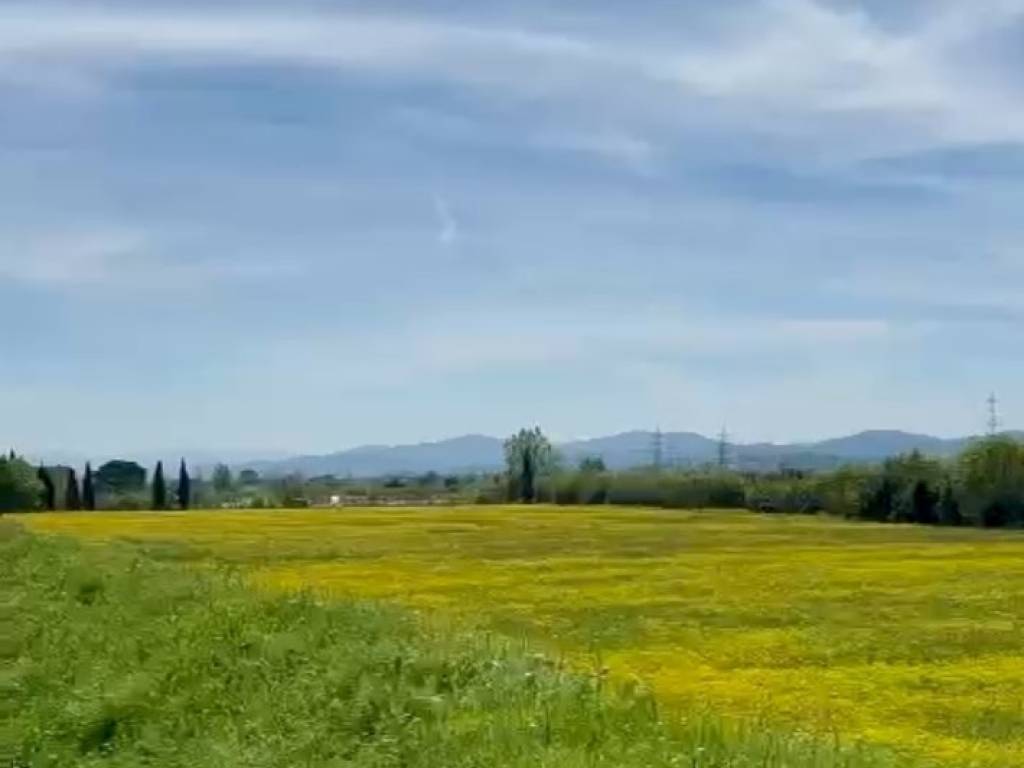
x,y
949,506
20,489
924,504
991,474
222,479
876,502
72,496
159,487
49,495
184,487
528,455
88,489
249,477
121,476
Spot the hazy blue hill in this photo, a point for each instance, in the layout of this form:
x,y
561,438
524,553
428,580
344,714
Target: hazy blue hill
x,y
628,449
458,454
880,443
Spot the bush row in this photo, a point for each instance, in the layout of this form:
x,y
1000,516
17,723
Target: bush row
x,y
984,486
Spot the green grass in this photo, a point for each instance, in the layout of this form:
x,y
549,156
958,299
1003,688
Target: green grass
x,y
113,657
904,637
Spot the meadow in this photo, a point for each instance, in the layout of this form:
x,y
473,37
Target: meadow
x,y
894,638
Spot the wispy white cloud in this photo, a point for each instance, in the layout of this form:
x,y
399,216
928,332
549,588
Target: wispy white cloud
x,y
465,342
661,357
763,101
521,337
989,286
769,64
617,147
122,259
385,43
804,57
70,260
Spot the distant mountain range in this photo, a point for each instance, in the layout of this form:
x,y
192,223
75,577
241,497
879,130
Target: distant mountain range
x,y
479,453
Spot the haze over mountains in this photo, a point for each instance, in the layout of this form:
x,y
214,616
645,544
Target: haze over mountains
x,y
629,449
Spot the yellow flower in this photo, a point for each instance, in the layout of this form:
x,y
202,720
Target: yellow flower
x,y
896,635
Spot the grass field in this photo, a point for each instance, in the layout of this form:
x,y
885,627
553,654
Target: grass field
x,y
904,637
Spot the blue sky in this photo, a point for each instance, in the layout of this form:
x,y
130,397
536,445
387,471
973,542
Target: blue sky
x,y
245,228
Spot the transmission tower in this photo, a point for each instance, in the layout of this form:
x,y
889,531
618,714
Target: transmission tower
x,y
993,414
723,449
657,449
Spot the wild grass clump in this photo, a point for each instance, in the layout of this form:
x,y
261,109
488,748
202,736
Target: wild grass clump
x,y
113,658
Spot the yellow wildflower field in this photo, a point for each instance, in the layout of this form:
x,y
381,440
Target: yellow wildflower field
x,y
895,635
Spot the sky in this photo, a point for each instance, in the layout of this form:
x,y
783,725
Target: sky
x,y
277,228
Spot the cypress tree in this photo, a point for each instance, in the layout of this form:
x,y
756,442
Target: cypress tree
x,y
923,503
88,490
159,487
72,498
49,492
527,477
184,487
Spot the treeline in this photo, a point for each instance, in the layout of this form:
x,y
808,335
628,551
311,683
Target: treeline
x,y
126,485
982,487
117,484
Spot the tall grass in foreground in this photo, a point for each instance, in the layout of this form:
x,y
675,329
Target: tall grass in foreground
x,y
113,658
